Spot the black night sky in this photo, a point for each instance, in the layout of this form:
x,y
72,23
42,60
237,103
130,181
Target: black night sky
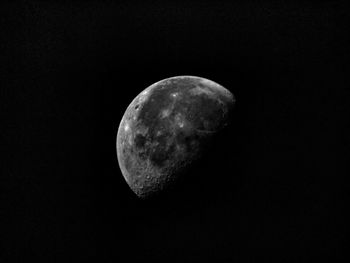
x,y
273,188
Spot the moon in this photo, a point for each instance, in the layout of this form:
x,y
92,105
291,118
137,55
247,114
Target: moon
x,y
165,129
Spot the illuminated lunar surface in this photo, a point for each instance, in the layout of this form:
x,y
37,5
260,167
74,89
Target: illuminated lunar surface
x,y
165,128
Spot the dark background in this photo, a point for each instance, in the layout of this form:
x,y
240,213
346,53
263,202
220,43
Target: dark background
x,y
273,188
